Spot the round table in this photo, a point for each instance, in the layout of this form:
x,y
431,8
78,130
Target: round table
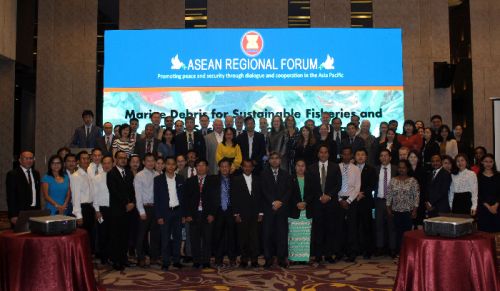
x,y
438,263
34,262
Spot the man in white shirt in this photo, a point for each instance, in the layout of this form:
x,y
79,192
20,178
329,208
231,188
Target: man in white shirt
x,y
95,166
383,223
212,140
346,217
82,198
100,193
144,197
168,197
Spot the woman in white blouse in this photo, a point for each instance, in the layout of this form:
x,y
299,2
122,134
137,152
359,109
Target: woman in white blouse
x,y
463,189
447,144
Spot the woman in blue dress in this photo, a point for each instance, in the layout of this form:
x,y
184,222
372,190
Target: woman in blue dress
x,y
55,187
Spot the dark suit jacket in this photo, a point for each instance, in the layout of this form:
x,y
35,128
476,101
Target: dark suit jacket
x,y
428,150
209,130
19,192
101,143
369,185
394,151
246,205
121,190
296,198
393,172
140,147
181,146
437,191
312,188
332,148
162,196
357,143
216,191
272,191
258,147
192,197
80,140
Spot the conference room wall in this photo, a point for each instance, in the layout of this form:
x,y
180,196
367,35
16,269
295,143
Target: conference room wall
x,y
248,13
7,88
326,13
425,41
144,14
8,16
485,50
66,72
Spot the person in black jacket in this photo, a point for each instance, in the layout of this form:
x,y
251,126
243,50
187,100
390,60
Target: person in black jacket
x,y
369,181
224,229
200,214
276,195
258,150
429,148
121,200
190,140
23,187
322,185
352,140
247,209
439,182
168,199
148,144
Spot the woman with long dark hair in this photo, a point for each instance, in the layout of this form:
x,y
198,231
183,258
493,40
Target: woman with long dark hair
x,y
463,189
447,144
306,146
291,137
167,146
229,149
488,217
391,143
277,139
418,172
55,187
429,148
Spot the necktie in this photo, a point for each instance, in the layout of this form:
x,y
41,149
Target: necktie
x,y
29,176
224,194
275,173
345,178
351,140
190,141
434,174
337,138
87,131
385,182
148,147
123,174
200,185
204,131
192,172
96,170
323,178
107,143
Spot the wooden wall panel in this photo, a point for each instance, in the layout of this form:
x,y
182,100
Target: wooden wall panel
x,y
7,87
8,17
144,14
249,13
326,13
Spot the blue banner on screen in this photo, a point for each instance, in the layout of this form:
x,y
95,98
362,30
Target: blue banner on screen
x,y
254,72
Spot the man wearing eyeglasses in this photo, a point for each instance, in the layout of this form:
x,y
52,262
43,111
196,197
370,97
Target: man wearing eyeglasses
x,y
23,187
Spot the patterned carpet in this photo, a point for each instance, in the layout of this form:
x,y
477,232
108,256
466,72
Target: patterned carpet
x,y
375,274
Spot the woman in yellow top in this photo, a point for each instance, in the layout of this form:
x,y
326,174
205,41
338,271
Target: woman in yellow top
x,y
229,149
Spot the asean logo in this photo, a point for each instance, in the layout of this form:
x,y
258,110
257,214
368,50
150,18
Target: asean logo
x,y
252,43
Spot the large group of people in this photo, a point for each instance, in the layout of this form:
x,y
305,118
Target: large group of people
x,y
312,193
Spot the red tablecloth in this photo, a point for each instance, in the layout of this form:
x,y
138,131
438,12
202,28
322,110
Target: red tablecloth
x,y
435,263
34,262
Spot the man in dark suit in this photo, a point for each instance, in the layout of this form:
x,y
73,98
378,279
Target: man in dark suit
x,y
190,140
365,202
121,200
384,224
23,187
86,135
322,185
204,121
325,120
224,241
276,192
200,214
252,144
436,201
168,197
337,135
247,209
352,140
148,144
105,143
